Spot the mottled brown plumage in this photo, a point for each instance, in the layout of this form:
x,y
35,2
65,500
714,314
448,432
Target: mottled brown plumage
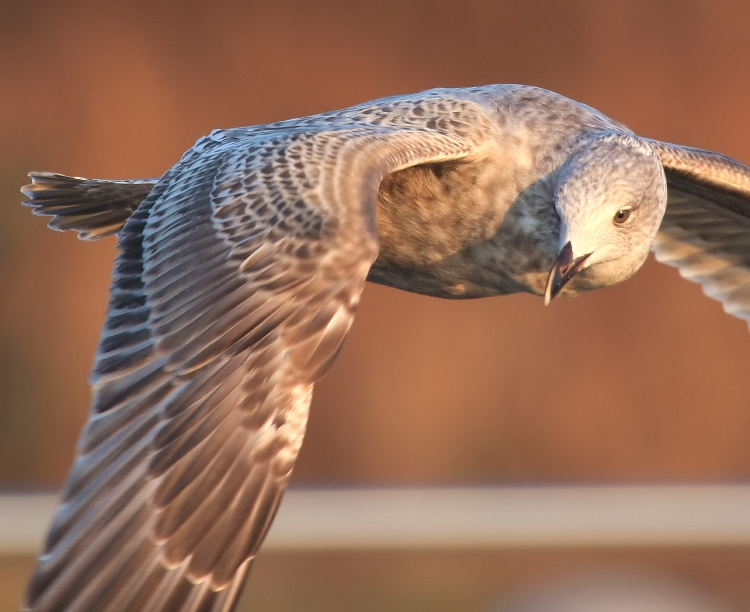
x,y
241,268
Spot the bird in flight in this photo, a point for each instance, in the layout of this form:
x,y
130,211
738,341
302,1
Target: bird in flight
x,y
240,269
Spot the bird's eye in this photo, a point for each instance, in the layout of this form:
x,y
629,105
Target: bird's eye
x,y
622,215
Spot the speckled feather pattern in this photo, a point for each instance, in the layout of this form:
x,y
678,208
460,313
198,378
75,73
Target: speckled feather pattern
x,y
239,274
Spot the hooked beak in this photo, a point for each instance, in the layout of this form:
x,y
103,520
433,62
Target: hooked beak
x,y
565,267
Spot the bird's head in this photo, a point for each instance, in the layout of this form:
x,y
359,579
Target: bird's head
x,y
610,198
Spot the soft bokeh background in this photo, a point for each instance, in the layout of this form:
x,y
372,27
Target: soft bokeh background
x,y
645,382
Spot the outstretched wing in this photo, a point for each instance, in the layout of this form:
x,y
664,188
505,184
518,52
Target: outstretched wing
x,y
706,228
236,283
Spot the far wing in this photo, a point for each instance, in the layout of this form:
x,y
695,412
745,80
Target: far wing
x,y
237,282
706,228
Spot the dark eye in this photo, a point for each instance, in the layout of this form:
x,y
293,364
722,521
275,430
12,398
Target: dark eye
x,y
622,215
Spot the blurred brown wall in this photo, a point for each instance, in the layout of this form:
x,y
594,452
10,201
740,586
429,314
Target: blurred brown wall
x,y
647,381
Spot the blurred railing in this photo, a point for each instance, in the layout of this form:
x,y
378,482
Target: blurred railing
x,y
612,516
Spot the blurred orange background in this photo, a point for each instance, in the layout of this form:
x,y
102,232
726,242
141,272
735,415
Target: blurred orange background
x,y
644,382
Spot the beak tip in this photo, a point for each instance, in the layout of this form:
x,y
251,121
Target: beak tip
x,y
566,266
548,294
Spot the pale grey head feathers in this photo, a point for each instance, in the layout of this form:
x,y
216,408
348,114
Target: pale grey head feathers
x,y
610,197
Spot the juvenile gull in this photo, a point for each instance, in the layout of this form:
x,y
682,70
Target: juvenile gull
x,y
240,270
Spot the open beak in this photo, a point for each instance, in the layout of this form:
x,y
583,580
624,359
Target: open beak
x,y
565,267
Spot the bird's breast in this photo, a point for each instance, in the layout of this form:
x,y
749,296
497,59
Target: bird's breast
x,y
466,229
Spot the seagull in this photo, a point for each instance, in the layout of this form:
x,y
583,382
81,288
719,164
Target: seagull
x,y
240,270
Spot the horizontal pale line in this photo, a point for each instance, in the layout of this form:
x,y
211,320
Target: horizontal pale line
x,y
602,516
